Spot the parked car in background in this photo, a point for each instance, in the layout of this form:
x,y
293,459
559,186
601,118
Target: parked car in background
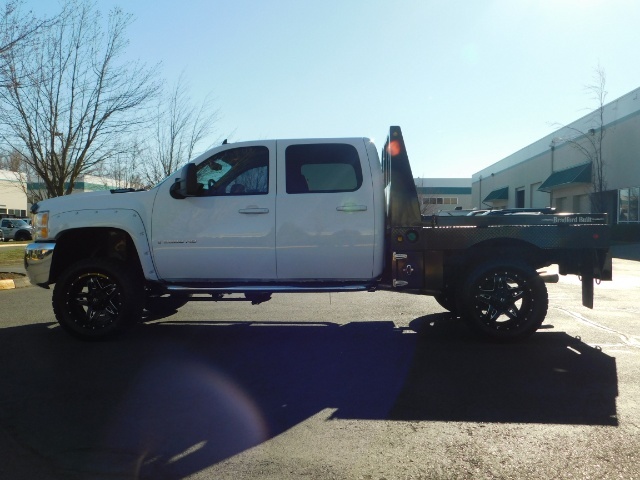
x,y
15,229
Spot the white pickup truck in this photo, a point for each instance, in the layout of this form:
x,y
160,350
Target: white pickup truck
x,y
313,215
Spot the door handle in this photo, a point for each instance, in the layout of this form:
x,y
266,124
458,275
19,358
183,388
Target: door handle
x,y
253,210
352,208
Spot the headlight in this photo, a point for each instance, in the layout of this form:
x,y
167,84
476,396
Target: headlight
x,y
41,225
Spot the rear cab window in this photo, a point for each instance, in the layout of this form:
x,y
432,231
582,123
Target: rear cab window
x,y
322,168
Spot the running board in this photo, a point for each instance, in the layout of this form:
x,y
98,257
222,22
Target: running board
x,y
269,289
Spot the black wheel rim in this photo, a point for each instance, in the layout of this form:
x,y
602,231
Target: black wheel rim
x,y
94,301
503,300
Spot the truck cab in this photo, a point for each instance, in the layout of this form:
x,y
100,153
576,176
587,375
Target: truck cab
x,y
273,211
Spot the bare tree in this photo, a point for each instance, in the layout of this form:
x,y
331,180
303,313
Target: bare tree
x,y
16,26
123,170
69,97
11,161
589,142
180,128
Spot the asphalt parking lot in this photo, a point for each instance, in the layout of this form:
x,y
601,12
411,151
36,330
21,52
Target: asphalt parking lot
x,y
363,386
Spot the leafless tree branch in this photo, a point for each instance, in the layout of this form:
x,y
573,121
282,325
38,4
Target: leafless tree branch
x,y
69,97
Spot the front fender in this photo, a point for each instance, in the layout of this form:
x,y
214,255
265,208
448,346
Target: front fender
x,y
127,220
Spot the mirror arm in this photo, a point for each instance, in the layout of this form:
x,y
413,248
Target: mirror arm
x,y
174,190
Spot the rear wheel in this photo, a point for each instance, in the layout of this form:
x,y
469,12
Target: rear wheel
x,y
97,298
447,301
504,301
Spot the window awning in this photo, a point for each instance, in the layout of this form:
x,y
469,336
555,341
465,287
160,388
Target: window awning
x,y
499,194
567,177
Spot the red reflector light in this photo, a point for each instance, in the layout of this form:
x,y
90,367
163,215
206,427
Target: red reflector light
x,y
393,148
596,236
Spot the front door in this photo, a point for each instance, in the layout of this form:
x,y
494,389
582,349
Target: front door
x,y
227,232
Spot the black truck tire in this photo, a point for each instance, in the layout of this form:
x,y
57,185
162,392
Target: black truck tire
x,y
504,300
447,300
96,298
22,236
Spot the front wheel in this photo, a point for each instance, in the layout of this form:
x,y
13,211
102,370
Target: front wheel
x,y
96,298
504,301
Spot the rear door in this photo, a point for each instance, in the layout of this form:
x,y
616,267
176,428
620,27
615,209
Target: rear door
x,y
325,222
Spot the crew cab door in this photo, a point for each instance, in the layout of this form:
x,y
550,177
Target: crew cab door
x,y
227,231
325,222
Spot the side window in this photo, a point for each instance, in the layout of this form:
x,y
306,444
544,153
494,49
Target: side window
x,y
237,171
322,168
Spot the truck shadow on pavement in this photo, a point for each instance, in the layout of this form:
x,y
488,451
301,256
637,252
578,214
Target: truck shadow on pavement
x,y
172,398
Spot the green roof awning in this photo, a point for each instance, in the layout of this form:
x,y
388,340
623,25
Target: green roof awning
x,y
444,190
567,177
499,194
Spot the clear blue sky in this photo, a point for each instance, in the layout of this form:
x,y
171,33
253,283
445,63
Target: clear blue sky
x,y
469,81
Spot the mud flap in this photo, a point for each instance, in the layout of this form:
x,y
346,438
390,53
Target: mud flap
x,y
587,275
587,290
594,266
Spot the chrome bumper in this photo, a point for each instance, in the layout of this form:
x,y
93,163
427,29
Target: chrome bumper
x,y
37,262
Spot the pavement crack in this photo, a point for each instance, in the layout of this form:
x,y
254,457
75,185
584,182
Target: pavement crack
x,y
627,339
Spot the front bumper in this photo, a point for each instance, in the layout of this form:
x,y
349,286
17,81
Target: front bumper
x,y
37,262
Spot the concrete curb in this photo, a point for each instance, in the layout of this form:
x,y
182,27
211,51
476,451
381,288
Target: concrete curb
x,y
21,282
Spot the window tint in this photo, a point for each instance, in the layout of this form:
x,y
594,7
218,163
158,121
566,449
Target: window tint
x,y
238,171
325,167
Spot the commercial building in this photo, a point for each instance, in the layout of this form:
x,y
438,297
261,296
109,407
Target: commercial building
x,y
563,170
13,199
443,194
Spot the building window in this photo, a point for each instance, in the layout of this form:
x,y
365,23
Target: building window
x,y
440,200
629,205
322,168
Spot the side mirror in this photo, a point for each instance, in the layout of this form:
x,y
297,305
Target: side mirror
x,y
187,184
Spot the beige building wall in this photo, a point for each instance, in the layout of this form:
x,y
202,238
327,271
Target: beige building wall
x,y
526,170
443,194
13,200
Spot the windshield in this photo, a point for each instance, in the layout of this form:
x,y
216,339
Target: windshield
x,y
19,223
